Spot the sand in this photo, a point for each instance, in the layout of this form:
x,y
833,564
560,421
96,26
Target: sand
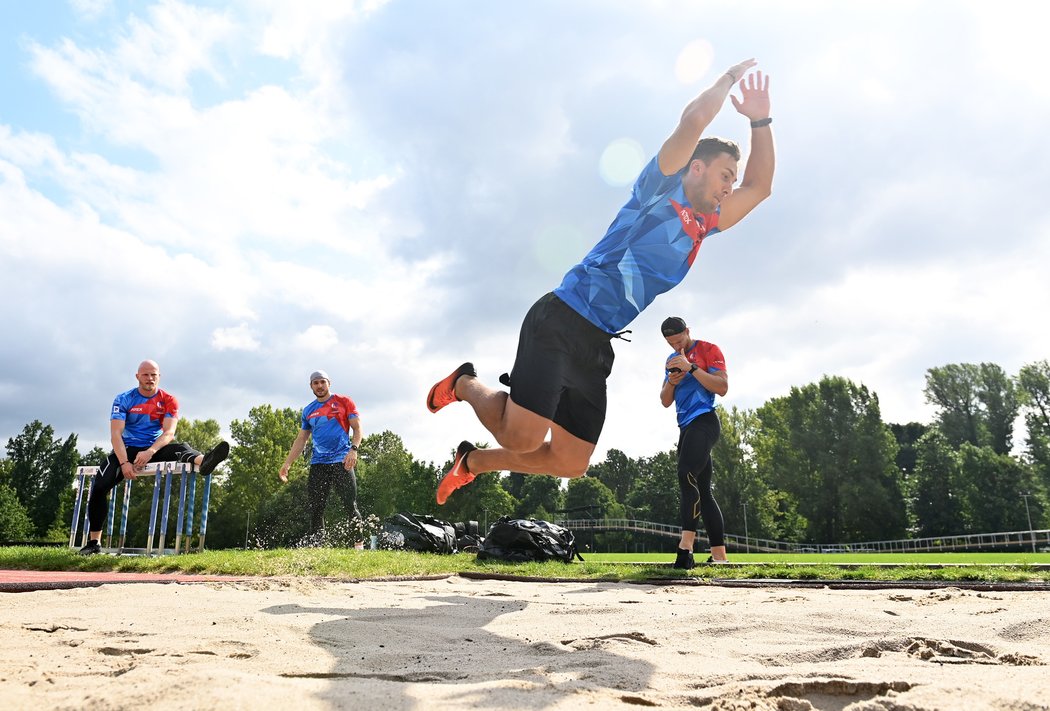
x,y
458,643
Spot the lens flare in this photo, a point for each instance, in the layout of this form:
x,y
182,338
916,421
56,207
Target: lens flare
x,y
621,161
694,61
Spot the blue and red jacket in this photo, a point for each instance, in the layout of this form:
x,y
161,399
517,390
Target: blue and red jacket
x,y
647,251
143,416
329,423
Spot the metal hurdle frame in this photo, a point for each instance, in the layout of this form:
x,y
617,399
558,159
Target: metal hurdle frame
x,y
157,536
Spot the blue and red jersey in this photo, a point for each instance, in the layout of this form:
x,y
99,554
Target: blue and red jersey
x,y
329,423
691,399
143,416
647,251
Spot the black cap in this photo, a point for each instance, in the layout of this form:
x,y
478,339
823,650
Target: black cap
x,y
672,326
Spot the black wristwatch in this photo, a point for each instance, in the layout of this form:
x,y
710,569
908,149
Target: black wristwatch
x,y
692,368
353,447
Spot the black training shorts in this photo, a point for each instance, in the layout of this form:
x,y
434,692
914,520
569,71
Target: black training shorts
x,y
560,369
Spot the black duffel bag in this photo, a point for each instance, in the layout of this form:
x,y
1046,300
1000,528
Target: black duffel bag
x,y
418,532
521,540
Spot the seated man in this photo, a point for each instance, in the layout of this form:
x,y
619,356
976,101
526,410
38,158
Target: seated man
x,y
142,430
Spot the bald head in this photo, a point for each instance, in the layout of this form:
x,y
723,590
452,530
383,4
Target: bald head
x,y
148,376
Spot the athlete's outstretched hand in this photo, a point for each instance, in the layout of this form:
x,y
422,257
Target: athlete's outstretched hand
x,y
755,89
737,71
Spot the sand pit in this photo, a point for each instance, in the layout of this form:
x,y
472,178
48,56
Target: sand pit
x,y
457,643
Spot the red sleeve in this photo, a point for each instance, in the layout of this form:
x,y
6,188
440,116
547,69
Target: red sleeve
x,y
714,357
351,408
171,407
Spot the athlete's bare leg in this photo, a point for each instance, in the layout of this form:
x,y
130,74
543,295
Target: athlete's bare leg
x,y
565,455
515,428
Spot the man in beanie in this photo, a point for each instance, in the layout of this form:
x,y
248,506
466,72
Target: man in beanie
x,y
693,375
329,419
558,384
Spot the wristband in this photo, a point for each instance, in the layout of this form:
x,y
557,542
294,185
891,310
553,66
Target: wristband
x,y
123,463
762,122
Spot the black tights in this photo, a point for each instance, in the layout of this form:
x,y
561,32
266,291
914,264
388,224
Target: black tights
x,y
110,475
322,478
694,477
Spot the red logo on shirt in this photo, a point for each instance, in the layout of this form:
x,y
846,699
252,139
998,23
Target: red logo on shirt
x,y
694,225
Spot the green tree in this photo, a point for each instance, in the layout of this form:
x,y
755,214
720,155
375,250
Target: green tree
x,y
999,399
1034,392
995,482
42,473
586,492
541,498
385,478
202,435
907,436
598,500
938,493
976,404
654,494
826,446
15,524
260,444
617,471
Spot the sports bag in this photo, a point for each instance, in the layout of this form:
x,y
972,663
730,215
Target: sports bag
x,y
521,540
418,532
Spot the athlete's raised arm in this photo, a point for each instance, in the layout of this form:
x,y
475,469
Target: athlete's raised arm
x,y
697,115
757,182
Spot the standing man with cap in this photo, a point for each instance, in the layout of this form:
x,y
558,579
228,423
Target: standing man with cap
x,y
558,384
142,430
329,418
693,375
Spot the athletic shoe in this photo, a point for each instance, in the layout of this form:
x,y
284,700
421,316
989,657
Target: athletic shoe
x,y
215,457
711,561
92,548
458,476
444,391
684,561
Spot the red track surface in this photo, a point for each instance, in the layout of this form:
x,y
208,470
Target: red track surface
x,y
30,580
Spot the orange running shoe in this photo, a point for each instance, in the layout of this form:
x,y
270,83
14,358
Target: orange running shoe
x,y
444,391
458,476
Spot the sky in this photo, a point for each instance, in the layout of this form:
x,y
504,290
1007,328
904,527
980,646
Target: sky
x,y
252,190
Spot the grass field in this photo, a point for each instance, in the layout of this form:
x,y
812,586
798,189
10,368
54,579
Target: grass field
x,y
350,564
852,558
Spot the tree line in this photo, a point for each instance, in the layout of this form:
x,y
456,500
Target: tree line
x,y
816,465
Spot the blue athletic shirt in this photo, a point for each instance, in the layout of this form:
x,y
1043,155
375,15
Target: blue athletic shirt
x,y
143,416
691,399
329,423
647,250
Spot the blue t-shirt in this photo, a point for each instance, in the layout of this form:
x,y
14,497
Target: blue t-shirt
x,y
647,250
143,416
691,399
329,423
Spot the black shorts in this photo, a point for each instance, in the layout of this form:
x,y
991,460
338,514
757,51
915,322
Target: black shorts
x,y
560,369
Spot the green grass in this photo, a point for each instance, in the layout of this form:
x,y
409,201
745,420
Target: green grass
x,y
852,558
350,564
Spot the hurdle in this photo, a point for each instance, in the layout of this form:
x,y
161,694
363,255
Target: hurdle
x,y
163,474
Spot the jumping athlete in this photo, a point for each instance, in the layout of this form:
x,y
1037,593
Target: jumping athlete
x,y
565,355
142,429
329,418
693,375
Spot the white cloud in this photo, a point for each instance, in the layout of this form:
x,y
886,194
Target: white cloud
x,y
317,339
234,338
